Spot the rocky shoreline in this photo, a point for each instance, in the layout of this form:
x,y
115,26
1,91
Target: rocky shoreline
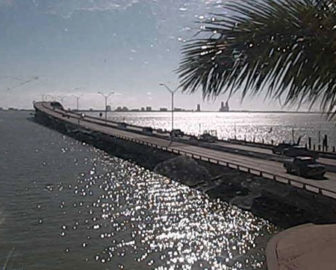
x,y
283,205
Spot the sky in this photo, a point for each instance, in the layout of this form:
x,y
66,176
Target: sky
x,y
62,48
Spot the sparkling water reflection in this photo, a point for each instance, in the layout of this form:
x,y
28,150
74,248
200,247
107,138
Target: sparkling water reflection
x,y
258,126
160,223
67,205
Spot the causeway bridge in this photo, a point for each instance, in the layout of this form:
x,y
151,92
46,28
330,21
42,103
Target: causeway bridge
x,y
250,159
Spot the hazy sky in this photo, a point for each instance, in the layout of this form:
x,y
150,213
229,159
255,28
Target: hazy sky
x,y
86,46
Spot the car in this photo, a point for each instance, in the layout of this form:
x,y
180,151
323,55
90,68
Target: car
x,y
279,149
147,130
295,151
176,133
122,125
207,138
305,166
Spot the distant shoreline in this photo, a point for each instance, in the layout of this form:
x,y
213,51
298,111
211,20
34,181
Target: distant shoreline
x,y
235,111
186,111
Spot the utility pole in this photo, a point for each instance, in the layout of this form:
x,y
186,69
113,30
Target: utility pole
x,y
172,92
106,96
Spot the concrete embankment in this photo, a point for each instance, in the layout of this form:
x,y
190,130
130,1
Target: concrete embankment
x,y
306,247
283,205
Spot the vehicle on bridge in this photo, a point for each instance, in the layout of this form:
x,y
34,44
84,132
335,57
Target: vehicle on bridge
x,y
161,131
176,133
147,130
297,150
281,147
305,166
122,125
206,137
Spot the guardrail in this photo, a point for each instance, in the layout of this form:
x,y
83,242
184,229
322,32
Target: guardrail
x,y
242,168
239,167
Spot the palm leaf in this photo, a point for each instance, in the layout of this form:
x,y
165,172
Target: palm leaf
x,y
284,47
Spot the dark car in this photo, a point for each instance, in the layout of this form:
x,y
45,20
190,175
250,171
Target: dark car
x,y
147,130
176,133
208,138
279,149
295,151
122,125
305,166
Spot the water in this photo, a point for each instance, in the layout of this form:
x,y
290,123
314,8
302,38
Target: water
x,y
67,205
258,126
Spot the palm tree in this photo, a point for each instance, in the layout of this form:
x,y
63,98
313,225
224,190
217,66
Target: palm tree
x,y
284,47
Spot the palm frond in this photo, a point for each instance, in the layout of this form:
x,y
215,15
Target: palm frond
x,y
284,47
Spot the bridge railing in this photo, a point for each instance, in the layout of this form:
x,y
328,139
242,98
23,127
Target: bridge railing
x,y
281,179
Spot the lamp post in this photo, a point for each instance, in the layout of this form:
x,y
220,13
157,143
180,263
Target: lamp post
x,y
77,97
106,98
77,102
172,92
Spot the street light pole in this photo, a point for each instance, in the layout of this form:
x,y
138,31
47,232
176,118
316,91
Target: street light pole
x,y
172,109
77,102
172,92
77,97
106,98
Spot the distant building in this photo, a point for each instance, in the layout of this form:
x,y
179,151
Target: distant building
x,y
91,109
1,109
148,109
108,108
163,110
224,108
142,109
198,108
122,109
179,109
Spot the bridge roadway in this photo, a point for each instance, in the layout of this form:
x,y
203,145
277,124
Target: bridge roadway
x,y
268,169
325,161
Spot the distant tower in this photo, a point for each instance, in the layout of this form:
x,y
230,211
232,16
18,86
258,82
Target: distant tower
x,y
198,108
224,108
227,106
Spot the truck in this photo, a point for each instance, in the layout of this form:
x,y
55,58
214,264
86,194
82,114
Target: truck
x,y
297,150
305,166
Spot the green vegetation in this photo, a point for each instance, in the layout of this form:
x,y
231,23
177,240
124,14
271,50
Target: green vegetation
x,y
287,47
